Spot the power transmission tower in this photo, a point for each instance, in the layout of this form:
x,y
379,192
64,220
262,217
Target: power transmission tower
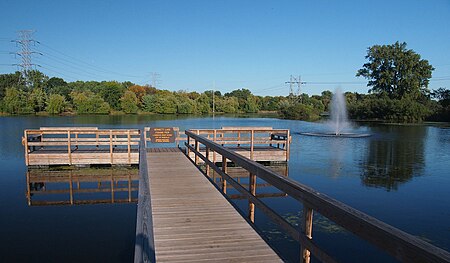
x,y
155,79
292,81
24,41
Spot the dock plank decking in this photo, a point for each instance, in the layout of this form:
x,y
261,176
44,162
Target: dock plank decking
x,y
192,221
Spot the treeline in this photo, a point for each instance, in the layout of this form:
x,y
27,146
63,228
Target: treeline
x,y
434,106
41,94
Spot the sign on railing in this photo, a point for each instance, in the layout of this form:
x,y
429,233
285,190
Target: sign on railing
x,y
162,135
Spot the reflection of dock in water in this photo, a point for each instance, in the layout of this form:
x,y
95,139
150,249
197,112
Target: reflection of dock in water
x,y
81,187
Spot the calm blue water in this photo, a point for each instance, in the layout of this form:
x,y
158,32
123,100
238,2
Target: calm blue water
x,y
399,175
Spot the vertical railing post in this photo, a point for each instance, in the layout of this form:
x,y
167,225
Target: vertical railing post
x,y
197,150
25,143
129,147
214,140
252,190
206,163
69,150
288,148
145,136
224,169
306,229
111,146
239,138
76,140
251,144
177,136
188,150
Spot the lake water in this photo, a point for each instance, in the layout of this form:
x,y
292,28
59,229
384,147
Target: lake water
x,y
399,175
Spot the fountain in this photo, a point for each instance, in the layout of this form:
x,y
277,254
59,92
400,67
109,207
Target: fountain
x,y
339,120
338,123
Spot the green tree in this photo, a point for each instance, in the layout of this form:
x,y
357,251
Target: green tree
x,y
15,101
89,103
204,104
36,99
111,92
129,102
9,81
396,71
227,105
57,86
250,104
37,79
56,104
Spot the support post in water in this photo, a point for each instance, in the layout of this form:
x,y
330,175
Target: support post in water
x,y
306,229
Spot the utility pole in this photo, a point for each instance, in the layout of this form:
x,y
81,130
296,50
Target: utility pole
x,y
295,80
213,97
24,41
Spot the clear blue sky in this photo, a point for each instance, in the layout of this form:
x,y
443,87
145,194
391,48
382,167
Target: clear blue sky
x,y
238,44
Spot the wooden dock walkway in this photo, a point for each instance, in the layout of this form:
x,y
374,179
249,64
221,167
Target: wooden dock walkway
x,y
192,220
183,217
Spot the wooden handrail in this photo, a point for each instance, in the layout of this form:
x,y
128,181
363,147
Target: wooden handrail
x,y
144,249
397,243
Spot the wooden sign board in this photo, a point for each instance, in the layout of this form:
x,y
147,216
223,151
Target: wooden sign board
x,y
162,135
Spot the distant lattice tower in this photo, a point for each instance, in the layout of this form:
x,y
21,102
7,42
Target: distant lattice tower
x,y
24,41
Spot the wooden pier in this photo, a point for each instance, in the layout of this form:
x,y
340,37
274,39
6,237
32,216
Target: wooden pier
x,y
192,221
183,213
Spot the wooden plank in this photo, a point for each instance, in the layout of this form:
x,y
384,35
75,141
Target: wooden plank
x,y
189,215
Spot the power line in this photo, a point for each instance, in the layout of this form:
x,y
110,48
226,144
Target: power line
x,y
68,64
94,67
59,73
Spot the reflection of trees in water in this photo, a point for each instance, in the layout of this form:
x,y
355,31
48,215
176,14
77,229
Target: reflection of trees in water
x,y
394,160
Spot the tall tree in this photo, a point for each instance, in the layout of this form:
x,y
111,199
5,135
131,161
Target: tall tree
x,y
396,71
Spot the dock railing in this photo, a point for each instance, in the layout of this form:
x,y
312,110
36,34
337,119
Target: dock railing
x,y
249,137
395,242
144,250
107,144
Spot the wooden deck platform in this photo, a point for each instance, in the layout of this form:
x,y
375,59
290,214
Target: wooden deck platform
x,y
80,146
192,221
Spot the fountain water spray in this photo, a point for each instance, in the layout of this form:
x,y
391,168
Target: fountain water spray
x,y
339,120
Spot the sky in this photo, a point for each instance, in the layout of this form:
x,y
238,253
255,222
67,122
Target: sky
x,y
197,45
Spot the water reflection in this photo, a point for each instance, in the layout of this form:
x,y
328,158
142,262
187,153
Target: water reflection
x,y
391,161
81,187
